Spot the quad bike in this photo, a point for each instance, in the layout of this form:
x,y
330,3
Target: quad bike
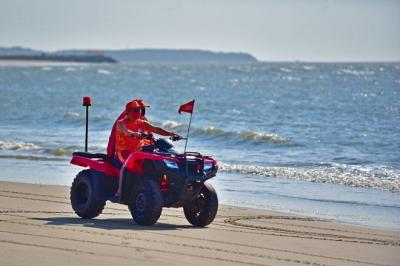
x,y
154,178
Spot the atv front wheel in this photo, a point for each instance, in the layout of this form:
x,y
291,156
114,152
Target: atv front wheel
x,y
82,196
202,210
146,203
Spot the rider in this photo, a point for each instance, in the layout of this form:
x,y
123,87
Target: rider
x,y
143,107
130,130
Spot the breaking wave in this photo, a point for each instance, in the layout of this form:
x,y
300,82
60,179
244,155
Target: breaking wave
x,y
31,157
69,69
356,72
36,151
172,124
240,136
103,72
76,117
263,137
357,176
18,145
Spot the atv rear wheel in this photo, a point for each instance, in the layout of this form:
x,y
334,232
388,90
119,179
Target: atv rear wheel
x,y
202,210
146,203
82,196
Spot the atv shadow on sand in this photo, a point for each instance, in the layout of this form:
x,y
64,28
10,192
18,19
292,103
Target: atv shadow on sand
x,y
108,224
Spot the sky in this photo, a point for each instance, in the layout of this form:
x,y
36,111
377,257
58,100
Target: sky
x,y
284,30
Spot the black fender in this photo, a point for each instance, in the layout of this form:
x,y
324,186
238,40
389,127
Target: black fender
x,y
129,182
132,179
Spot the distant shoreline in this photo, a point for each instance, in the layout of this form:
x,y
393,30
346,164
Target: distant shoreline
x,y
13,62
186,56
60,58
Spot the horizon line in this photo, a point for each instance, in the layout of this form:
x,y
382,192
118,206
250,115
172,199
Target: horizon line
x,y
322,61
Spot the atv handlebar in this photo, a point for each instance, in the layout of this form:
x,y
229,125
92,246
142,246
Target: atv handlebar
x,y
176,138
146,136
150,136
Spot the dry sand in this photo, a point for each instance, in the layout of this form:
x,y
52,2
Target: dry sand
x,y
38,227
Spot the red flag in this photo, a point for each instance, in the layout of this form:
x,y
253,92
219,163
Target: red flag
x,y
187,107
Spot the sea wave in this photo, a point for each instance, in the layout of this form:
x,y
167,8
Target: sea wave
x,y
103,72
18,145
308,67
74,117
259,136
212,131
68,150
357,72
62,151
31,157
239,136
36,150
69,69
72,114
358,176
252,136
170,124
286,70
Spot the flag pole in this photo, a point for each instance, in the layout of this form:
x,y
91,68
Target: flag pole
x,y
187,135
188,108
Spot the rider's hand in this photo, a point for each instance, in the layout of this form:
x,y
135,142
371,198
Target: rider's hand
x,y
176,136
136,134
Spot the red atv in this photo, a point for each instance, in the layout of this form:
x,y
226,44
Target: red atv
x,y
154,178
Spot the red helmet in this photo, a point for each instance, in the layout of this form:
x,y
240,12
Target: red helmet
x,y
142,103
132,104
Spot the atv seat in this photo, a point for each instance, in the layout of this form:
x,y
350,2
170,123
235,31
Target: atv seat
x,y
91,155
102,156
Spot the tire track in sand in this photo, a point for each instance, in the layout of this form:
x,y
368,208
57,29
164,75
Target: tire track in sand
x,y
278,231
233,221
203,247
240,222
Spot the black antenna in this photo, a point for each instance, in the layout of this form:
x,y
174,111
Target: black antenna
x,y
87,102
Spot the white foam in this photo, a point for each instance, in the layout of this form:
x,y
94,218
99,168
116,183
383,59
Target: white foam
x,y
263,136
69,69
308,67
18,145
234,81
71,114
236,111
171,124
291,78
357,72
103,72
357,176
286,70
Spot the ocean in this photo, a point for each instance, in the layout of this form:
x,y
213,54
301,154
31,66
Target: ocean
x,y
314,139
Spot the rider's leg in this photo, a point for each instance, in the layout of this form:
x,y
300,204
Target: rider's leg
x,y
121,156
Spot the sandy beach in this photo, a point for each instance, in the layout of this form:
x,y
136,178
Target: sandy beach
x,y
38,227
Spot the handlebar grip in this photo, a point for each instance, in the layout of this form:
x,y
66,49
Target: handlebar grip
x,y
176,138
147,136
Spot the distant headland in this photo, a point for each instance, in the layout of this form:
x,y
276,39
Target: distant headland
x,y
127,56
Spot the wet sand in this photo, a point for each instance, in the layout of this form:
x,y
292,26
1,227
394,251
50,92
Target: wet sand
x,y
39,227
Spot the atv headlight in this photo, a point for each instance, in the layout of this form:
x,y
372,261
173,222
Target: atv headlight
x,y
171,164
208,166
